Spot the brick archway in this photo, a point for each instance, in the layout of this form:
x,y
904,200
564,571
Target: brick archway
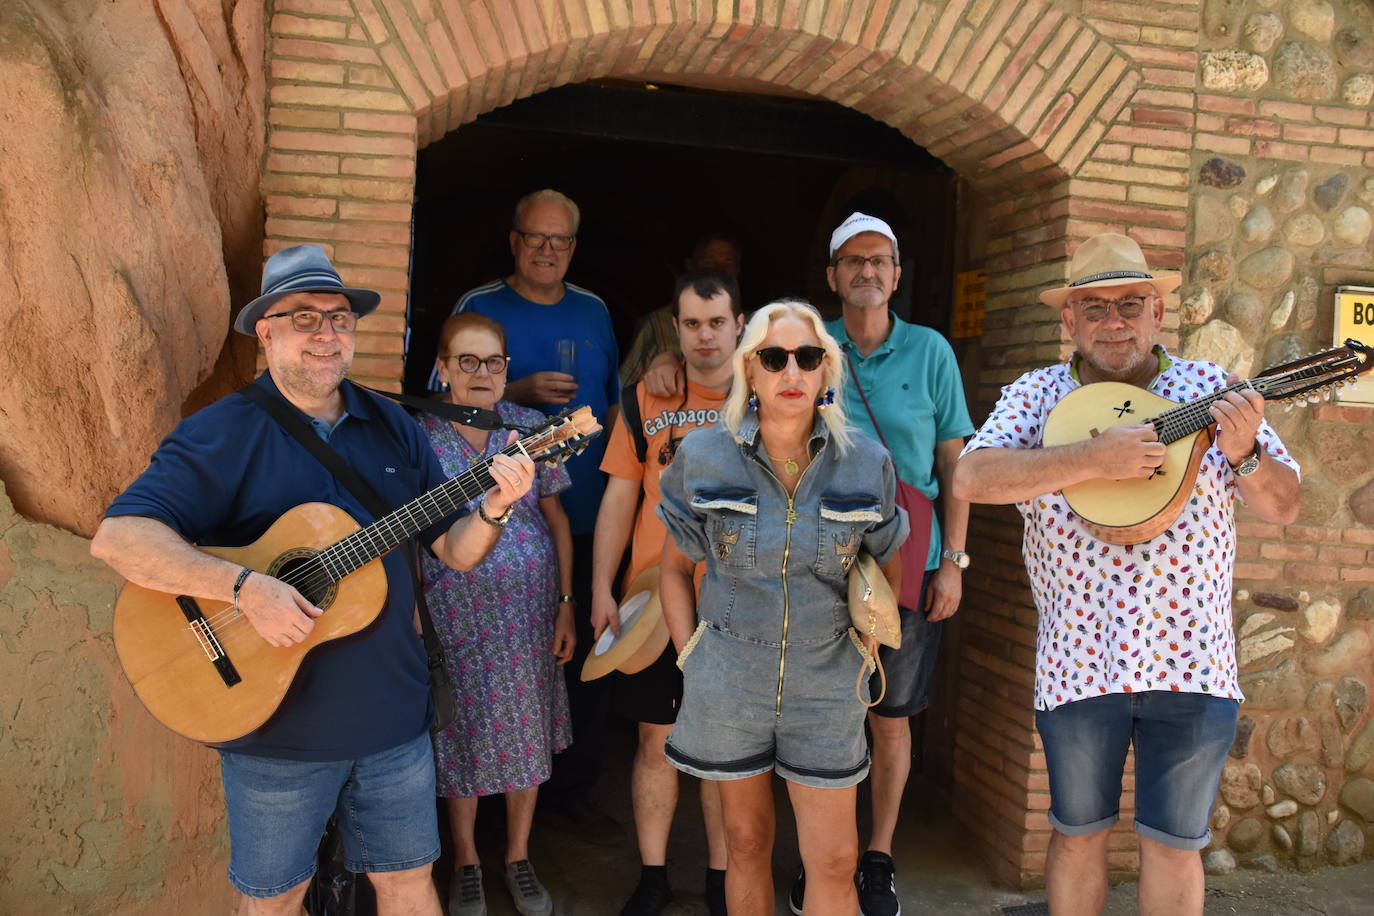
x,y
1069,125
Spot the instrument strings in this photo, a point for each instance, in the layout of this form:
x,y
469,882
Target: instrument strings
x,y
318,572
1188,418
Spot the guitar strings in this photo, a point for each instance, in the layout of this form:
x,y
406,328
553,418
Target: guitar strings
x,y
354,551
1185,419
347,555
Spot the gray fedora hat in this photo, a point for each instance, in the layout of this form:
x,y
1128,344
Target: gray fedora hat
x,y
300,269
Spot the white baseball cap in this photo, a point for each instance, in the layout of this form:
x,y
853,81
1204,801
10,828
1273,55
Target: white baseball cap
x,y
856,223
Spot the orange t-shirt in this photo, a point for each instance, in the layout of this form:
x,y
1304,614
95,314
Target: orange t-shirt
x,y
666,421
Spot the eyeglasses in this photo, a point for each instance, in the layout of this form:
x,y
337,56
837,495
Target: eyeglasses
x,y
470,362
308,321
537,240
854,262
1095,310
774,359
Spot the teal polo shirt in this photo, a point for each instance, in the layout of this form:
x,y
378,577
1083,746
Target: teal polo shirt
x,y
913,385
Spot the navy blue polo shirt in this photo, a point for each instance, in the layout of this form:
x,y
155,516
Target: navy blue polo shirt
x,y
225,474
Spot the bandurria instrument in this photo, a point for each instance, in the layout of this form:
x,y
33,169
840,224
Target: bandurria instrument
x,y
203,671
1136,510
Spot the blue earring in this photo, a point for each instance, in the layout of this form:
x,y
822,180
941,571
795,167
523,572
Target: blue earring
x,y
826,399
753,401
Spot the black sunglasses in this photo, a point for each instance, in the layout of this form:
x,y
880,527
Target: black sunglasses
x,y
774,359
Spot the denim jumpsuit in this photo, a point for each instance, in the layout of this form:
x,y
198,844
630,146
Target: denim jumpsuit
x,y
769,674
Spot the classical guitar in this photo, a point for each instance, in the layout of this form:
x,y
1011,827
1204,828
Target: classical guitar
x,y
203,671
1136,510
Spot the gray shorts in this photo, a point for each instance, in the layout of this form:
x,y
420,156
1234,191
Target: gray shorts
x,y
732,726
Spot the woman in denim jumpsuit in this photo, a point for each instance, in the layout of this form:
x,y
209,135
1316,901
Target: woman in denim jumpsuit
x,y
777,500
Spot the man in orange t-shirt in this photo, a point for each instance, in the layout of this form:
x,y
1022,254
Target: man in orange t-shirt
x,y
708,320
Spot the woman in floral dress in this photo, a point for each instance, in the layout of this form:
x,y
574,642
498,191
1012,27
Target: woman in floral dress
x,y
504,627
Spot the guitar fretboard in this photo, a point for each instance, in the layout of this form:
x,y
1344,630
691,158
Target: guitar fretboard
x,y
372,541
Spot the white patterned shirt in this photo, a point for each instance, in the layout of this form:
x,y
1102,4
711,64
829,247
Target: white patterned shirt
x,y
1121,619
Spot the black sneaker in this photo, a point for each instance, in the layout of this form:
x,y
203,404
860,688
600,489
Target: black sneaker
x,y
714,892
878,885
651,896
797,898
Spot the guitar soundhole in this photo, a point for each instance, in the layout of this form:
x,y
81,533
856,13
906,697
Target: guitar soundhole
x,y
302,568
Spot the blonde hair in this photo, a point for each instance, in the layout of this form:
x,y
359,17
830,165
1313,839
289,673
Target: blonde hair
x,y
737,402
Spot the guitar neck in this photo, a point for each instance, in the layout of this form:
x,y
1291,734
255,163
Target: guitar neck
x,y
1186,419
379,538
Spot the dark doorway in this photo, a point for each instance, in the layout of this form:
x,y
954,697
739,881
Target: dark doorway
x,y
655,167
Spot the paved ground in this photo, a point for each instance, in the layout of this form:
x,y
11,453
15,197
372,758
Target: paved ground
x,y
939,871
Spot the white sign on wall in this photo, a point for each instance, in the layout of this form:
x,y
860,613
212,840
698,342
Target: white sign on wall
x,y
1355,318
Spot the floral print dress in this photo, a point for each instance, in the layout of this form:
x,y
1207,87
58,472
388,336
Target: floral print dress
x,y
496,626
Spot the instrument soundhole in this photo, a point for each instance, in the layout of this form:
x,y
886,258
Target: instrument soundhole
x,y
302,569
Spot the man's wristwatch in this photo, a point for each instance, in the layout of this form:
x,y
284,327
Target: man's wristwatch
x,y
1250,465
957,557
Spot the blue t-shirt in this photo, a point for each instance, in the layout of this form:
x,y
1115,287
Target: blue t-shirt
x,y
225,474
532,331
913,385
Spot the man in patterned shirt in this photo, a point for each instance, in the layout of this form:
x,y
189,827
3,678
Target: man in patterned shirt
x,y
1134,643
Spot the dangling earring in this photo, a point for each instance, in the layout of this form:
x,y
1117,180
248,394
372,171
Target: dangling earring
x,y
826,399
753,401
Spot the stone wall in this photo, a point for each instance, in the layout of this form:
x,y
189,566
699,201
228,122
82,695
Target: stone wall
x,y
1280,216
129,211
104,810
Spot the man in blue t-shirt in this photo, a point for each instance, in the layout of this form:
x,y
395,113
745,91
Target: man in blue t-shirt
x,y
562,354
351,737
910,378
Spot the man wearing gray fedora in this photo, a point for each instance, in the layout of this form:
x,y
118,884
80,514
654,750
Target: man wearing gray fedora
x,y
1134,645
351,738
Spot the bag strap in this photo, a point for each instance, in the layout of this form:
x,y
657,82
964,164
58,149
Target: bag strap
x,y
290,421
476,417
634,421
863,397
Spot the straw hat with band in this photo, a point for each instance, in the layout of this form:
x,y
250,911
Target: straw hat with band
x,y
1106,260
643,632
300,269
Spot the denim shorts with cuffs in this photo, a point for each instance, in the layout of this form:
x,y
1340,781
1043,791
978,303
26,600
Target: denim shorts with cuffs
x,y
1181,741
732,724
278,810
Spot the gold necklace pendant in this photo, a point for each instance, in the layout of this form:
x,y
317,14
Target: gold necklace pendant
x,y
791,466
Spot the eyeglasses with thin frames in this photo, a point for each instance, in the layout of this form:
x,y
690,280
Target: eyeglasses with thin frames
x,y
774,359
538,240
856,262
308,321
1094,310
471,362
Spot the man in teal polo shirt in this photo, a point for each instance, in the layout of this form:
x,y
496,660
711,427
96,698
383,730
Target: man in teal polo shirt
x,y
912,384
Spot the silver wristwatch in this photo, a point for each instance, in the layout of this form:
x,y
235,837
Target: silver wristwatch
x,y
1250,465
957,557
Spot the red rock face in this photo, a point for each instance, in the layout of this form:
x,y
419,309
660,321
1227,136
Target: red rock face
x,y
129,161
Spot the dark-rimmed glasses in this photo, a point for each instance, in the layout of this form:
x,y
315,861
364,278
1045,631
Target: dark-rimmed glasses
x,y
856,262
308,321
1095,310
774,359
537,240
471,362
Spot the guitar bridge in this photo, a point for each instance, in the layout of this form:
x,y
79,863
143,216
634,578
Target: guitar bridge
x,y
209,641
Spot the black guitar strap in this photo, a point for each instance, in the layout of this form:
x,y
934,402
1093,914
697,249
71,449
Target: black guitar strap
x,y
290,420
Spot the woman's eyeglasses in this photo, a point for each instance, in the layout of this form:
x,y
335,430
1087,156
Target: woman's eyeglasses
x,y
774,359
470,362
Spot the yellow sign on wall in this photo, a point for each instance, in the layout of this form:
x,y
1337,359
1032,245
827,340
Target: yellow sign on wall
x,y
1355,318
970,295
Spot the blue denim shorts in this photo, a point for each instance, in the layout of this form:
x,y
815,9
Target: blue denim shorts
x,y
1181,741
909,669
278,810
729,726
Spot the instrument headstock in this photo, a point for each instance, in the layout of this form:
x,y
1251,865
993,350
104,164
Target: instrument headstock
x,y
566,433
1316,376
